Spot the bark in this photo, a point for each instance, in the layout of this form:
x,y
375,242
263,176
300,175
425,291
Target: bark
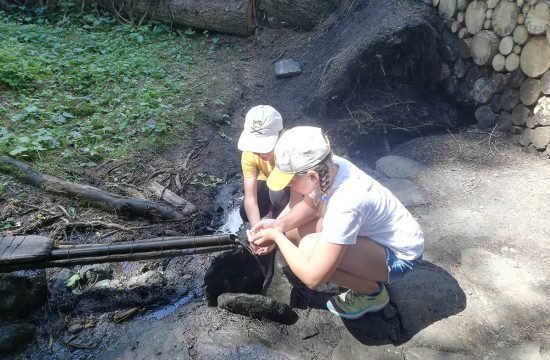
x,y
535,57
226,16
97,197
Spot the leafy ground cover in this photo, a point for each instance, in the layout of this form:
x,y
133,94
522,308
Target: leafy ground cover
x,y
76,89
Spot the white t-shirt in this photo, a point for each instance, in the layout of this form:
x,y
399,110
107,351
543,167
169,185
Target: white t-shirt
x,y
358,205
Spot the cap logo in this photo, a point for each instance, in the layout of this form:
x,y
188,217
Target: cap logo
x,y
257,127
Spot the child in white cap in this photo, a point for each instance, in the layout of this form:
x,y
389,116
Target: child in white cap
x,y
361,236
262,127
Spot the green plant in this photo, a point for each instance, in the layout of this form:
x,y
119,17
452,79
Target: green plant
x,y
206,180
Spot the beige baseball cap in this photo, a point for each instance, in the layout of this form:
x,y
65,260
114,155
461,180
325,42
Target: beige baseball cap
x,y
298,149
262,125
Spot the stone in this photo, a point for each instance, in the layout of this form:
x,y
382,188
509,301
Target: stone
x,y
398,166
287,68
525,137
417,353
21,293
96,272
527,351
540,137
280,288
257,307
14,337
151,278
406,191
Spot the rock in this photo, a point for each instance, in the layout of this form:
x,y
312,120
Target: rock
x,y
417,353
287,68
527,351
540,137
151,278
96,272
406,191
398,166
15,336
280,288
21,293
257,307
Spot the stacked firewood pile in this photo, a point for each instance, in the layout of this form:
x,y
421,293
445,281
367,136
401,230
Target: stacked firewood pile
x,y
500,60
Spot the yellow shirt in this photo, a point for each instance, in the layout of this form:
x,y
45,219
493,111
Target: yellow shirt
x,y
253,166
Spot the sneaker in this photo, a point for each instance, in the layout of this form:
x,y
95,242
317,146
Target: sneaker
x,y
353,305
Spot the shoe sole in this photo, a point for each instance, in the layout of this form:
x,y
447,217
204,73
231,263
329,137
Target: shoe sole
x,y
359,314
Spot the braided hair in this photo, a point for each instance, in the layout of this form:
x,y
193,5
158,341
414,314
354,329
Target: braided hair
x,y
324,178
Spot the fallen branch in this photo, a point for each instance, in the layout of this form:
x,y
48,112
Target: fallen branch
x,y
96,197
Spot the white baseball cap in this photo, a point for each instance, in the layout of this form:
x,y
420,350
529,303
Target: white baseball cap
x,y
298,149
262,125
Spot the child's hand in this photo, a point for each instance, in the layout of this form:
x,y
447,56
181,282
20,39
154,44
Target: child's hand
x,y
258,249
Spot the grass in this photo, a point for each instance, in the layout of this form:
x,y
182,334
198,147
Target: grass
x,y
78,89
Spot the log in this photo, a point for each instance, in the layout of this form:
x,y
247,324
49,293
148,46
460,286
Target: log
x,y
489,14
505,17
460,17
521,19
461,68
535,57
171,198
509,98
487,24
483,89
516,49
544,83
506,45
475,16
491,4
301,14
525,9
447,8
512,62
542,111
498,62
463,48
520,3
516,78
435,2
455,26
484,46
519,115
461,5
226,16
484,116
500,81
520,34
530,91
504,121
463,33
97,197
495,103
538,18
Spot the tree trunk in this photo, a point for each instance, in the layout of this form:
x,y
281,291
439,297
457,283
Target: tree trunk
x,y
226,16
302,14
535,57
484,46
505,17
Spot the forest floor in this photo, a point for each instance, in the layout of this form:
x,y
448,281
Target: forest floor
x,y
481,293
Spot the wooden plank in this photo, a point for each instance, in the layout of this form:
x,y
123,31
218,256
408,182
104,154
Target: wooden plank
x,y
18,249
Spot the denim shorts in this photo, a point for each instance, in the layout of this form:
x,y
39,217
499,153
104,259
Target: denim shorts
x,y
397,268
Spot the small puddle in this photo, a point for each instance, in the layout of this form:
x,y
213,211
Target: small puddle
x,y
233,222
